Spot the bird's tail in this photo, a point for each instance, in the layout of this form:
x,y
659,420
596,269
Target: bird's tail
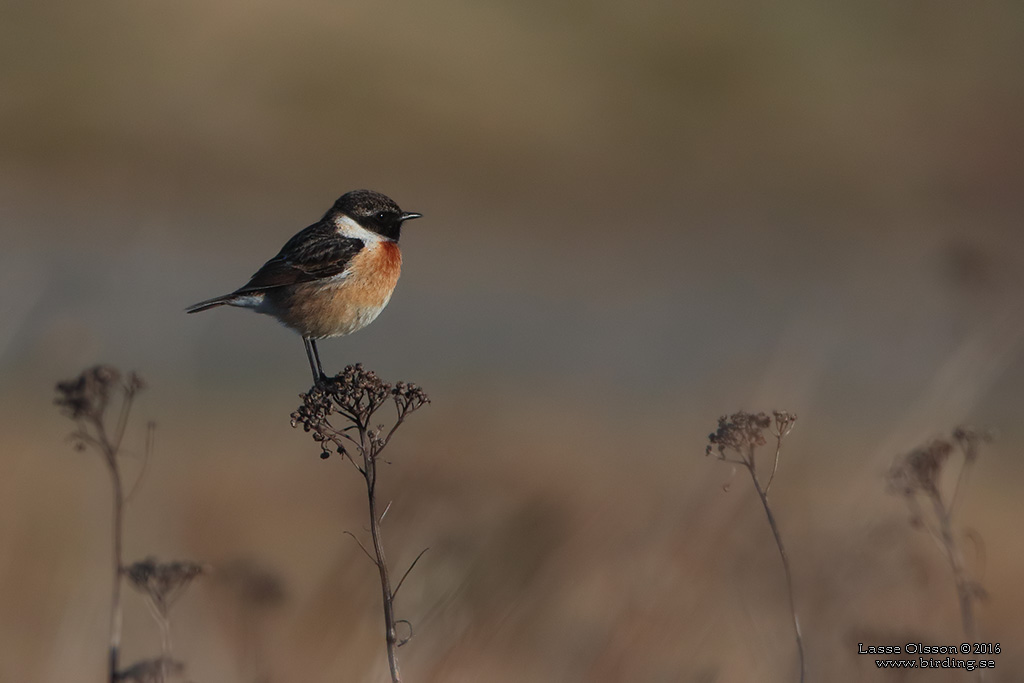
x,y
210,303
245,299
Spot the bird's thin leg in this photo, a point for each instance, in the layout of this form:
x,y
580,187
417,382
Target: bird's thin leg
x,y
316,354
320,368
314,360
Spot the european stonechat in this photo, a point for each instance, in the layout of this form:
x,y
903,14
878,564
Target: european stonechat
x,y
332,278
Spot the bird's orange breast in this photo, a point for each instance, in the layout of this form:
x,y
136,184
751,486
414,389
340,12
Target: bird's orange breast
x,y
341,305
373,275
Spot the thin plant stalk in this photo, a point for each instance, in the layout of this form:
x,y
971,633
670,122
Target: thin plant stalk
x,y
742,434
115,598
110,449
956,564
390,630
370,447
763,495
356,395
164,624
919,473
85,399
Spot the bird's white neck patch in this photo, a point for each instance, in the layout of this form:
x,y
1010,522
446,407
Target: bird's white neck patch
x,y
349,228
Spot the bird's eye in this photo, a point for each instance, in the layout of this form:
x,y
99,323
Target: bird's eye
x,y
382,216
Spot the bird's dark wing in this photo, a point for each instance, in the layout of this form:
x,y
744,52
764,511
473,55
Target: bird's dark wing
x,y
314,253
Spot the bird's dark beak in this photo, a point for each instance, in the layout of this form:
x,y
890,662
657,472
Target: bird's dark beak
x,y
410,216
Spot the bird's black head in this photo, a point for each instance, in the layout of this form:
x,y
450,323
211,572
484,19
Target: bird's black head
x,y
374,211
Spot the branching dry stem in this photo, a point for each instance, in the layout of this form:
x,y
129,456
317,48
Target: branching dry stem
x,y
356,395
85,400
763,495
742,434
918,474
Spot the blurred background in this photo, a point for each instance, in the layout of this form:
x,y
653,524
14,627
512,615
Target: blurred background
x,y
638,217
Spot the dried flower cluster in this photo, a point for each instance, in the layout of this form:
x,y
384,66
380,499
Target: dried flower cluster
x,y
88,394
744,432
920,470
355,394
970,439
163,583
739,432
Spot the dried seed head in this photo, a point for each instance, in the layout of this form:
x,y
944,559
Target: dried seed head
x,y
355,394
409,397
87,395
920,469
85,400
970,439
163,583
741,432
784,421
135,382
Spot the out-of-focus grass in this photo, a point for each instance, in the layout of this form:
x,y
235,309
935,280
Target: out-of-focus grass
x,y
560,552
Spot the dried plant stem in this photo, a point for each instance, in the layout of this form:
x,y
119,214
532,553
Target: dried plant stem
x,y
110,449
961,484
115,598
370,447
85,400
946,540
736,441
164,624
775,467
356,394
956,564
165,648
763,495
390,630
918,474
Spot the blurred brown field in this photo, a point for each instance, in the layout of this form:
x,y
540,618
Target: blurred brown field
x,y
638,217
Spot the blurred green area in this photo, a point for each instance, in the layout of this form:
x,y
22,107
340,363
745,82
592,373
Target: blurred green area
x,y
637,217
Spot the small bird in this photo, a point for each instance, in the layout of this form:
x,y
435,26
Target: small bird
x,y
332,278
